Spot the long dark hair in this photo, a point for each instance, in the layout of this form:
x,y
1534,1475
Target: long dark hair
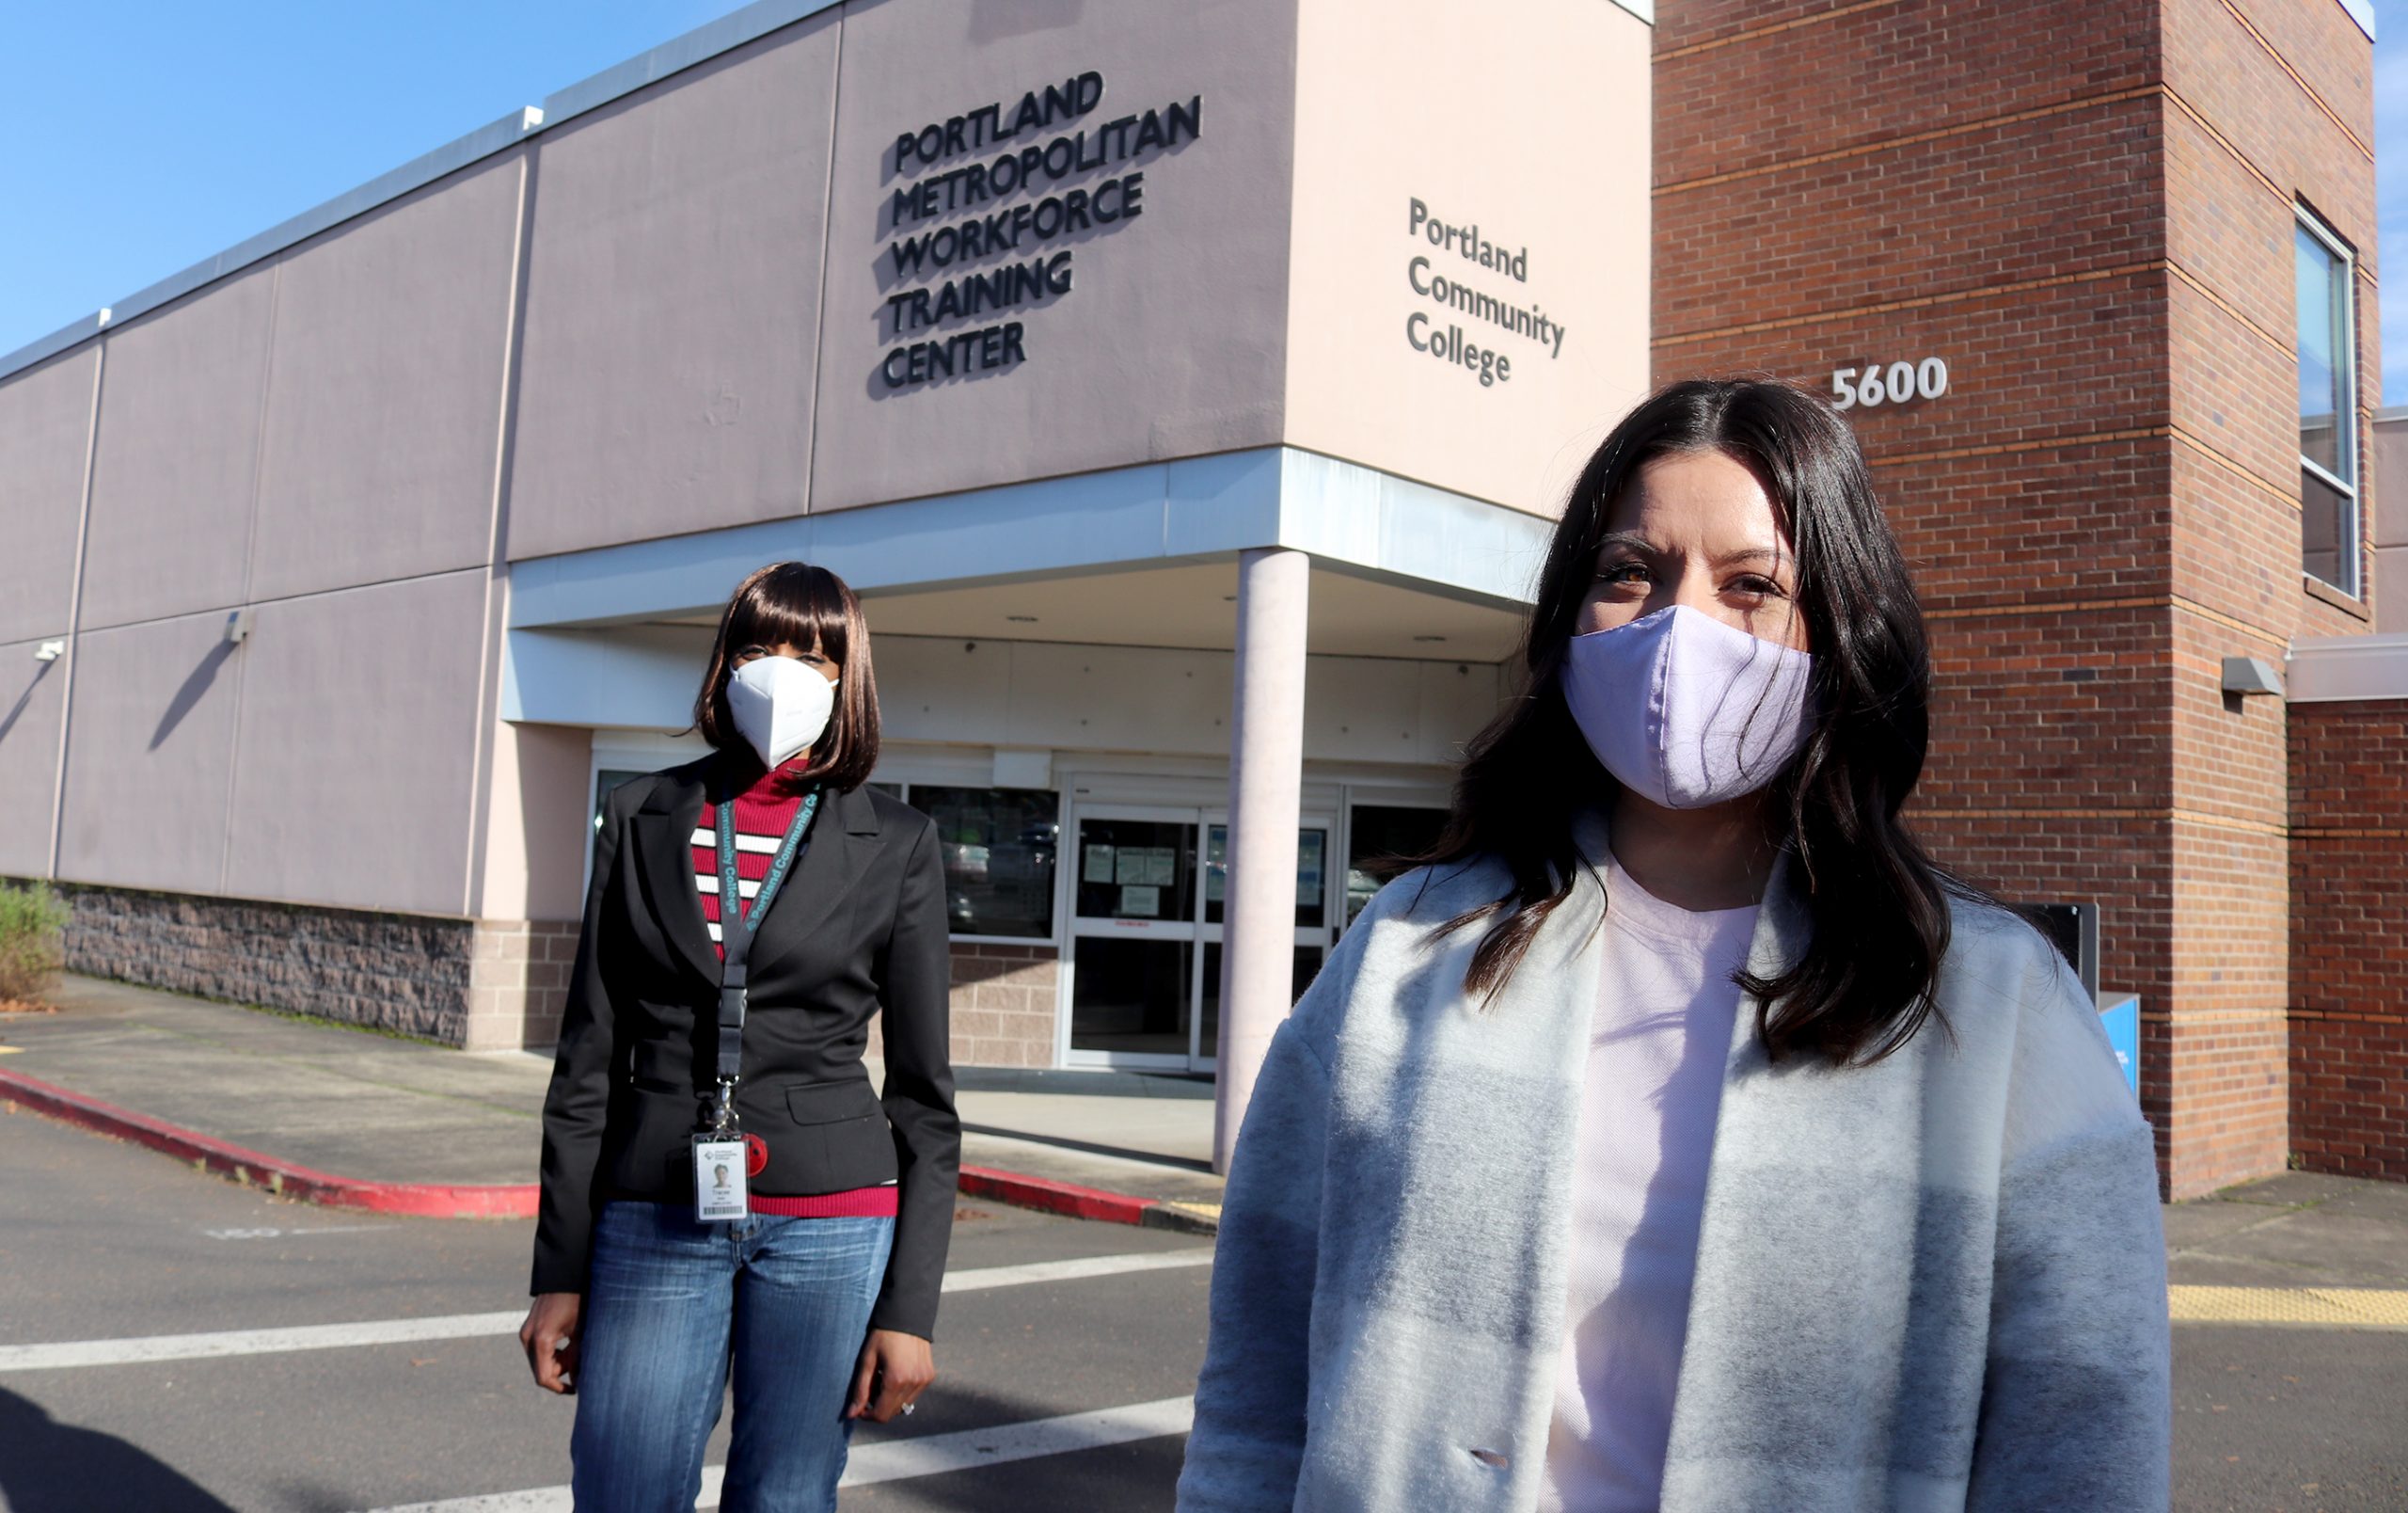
x,y
794,603
1878,904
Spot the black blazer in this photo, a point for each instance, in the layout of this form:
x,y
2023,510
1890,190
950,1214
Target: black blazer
x,y
859,929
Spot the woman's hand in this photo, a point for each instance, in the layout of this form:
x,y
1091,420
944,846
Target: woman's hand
x,y
549,1335
896,1368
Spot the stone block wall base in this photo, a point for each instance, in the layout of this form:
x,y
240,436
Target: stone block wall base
x,y
480,985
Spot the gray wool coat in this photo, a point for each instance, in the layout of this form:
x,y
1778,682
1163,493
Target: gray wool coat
x,y
1937,1281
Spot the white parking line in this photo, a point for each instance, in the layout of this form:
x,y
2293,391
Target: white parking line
x,y
1089,1266
253,1341
267,1234
930,1454
154,1348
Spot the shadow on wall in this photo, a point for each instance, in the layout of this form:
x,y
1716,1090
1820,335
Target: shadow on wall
x,y
49,1467
15,710
189,694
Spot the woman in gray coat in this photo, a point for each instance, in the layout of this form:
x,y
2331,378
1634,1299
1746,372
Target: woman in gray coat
x,y
1679,1135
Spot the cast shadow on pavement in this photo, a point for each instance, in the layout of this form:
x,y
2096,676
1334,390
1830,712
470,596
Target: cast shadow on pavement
x,y
50,1466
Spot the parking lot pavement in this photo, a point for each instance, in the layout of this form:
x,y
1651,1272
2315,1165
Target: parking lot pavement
x,y
121,1270
171,1341
2290,1415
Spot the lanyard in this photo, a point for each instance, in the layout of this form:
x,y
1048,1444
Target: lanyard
x,y
737,928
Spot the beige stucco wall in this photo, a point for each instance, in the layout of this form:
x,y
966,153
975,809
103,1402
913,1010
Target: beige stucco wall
x,y
536,822
672,302
45,430
1528,119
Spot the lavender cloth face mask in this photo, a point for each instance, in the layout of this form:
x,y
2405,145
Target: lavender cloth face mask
x,y
1685,711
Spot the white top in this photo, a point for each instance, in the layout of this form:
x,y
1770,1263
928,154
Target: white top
x,y
1661,1031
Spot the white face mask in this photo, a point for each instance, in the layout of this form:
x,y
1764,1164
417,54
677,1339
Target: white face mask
x,y
1685,711
781,705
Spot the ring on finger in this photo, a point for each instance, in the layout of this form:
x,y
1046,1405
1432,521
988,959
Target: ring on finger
x,y
909,1407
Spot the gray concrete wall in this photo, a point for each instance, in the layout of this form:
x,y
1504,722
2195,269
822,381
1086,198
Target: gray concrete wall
x,y
1171,340
353,772
174,476
45,431
31,693
317,438
672,302
150,752
383,410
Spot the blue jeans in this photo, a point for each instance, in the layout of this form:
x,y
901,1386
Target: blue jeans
x,y
671,1299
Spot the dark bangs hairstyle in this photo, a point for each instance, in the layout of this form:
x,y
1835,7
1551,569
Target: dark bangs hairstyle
x,y
793,603
1878,902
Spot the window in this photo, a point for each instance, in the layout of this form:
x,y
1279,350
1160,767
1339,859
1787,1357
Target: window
x,y
2328,451
998,846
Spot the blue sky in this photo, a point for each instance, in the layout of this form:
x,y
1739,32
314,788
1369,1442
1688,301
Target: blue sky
x,y
143,136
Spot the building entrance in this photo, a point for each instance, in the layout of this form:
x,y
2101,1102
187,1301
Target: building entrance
x,y
1148,883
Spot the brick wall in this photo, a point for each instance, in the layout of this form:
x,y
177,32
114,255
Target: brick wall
x,y
2348,944
2084,207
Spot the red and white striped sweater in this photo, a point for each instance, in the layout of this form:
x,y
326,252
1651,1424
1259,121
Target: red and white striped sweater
x,y
763,812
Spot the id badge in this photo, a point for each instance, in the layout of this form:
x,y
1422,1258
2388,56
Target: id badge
x,y
718,1179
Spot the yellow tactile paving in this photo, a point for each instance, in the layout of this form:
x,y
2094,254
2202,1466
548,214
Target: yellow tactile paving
x,y
2361,1308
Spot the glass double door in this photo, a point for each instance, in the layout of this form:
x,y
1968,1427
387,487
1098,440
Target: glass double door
x,y
1148,888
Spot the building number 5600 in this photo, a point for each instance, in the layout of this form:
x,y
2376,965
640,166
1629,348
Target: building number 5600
x,y
1893,384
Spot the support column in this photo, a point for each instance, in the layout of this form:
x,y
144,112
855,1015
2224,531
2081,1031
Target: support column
x,y
1266,778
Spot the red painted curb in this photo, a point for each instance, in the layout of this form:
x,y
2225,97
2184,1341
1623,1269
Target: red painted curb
x,y
1050,1197
428,1200
255,1169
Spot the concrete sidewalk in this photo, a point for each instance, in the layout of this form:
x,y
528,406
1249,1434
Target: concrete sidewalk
x,y
376,1108
2300,1230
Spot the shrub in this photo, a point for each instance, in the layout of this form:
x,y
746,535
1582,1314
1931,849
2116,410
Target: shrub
x,y
33,930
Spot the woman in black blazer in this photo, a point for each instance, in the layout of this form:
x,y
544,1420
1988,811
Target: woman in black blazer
x,y
792,1220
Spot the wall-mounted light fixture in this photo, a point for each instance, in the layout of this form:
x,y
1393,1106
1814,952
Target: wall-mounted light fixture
x,y
238,625
50,651
2251,674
